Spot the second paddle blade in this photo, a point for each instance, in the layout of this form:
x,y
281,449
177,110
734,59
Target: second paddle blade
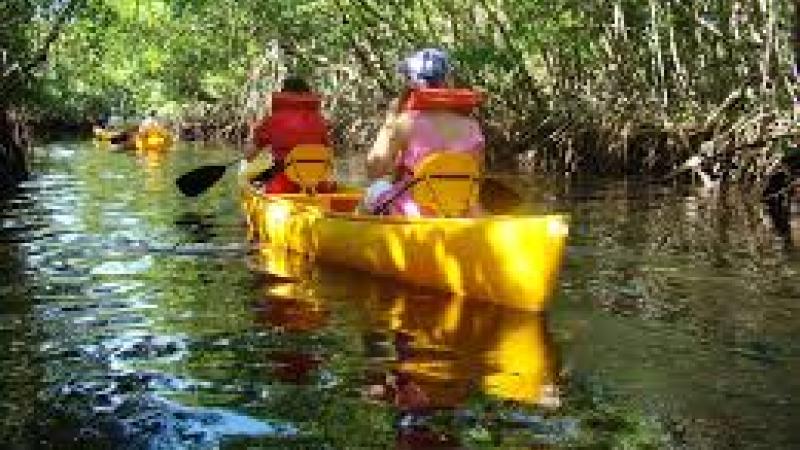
x,y
122,137
498,198
194,183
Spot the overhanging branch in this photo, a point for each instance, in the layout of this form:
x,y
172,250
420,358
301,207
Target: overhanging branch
x,y
40,54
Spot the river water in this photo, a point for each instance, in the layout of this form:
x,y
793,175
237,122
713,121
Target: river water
x,y
133,318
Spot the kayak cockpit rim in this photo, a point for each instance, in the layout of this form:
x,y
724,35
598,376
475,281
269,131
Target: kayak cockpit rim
x,y
392,219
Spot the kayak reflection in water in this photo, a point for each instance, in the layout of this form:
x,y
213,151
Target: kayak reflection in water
x,y
399,388
292,314
445,353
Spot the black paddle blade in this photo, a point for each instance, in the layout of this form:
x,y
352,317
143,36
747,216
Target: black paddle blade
x,y
197,181
498,198
122,137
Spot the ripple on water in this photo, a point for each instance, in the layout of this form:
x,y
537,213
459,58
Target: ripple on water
x,y
124,267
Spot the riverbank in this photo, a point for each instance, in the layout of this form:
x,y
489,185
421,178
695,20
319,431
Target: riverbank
x,y
14,147
725,146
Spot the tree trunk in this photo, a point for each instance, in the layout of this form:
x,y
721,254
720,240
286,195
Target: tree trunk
x,y
13,167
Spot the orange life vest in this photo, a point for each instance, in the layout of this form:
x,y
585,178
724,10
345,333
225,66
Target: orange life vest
x,y
460,134
296,119
445,99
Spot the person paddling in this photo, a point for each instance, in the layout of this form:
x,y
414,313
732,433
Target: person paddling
x,y
295,119
428,117
149,122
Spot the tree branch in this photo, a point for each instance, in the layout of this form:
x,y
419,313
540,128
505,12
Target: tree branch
x,y
40,55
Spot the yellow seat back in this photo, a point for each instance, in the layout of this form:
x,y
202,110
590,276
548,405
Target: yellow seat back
x,y
447,183
309,164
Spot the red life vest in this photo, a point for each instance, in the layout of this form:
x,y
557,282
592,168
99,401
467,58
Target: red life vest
x,y
443,99
296,119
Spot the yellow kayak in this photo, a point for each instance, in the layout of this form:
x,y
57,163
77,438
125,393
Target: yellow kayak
x,y
153,139
105,135
508,260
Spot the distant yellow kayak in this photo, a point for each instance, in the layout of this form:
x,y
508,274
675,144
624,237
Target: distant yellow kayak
x,y
104,135
153,139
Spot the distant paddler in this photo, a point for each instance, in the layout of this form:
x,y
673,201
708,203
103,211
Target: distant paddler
x,y
151,121
108,129
152,135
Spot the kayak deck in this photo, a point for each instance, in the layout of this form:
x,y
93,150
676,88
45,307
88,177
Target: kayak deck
x,y
105,135
508,260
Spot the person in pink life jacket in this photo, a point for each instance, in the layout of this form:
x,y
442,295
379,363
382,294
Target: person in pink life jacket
x,y
428,117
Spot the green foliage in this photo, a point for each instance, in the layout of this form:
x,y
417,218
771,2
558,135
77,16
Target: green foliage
x,y
596,69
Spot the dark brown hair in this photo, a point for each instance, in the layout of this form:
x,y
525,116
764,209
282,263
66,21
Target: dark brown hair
x,y
295,84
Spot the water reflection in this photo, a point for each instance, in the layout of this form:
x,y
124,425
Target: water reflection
x,y
199,228
446,348
115,309
427,354
134,318
705,288
280,310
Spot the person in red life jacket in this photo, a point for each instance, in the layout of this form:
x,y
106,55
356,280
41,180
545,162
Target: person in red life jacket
x,y
428,117
296,119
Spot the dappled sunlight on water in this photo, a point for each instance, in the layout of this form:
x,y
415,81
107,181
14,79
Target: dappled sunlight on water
x,y
688,301
134,318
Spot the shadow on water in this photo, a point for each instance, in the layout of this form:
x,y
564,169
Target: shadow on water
x,y
784,215
453,373
133,318
199,228
20,335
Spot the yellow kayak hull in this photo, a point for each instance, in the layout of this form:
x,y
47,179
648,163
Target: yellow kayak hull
x,y
512,261
153,139
104,135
